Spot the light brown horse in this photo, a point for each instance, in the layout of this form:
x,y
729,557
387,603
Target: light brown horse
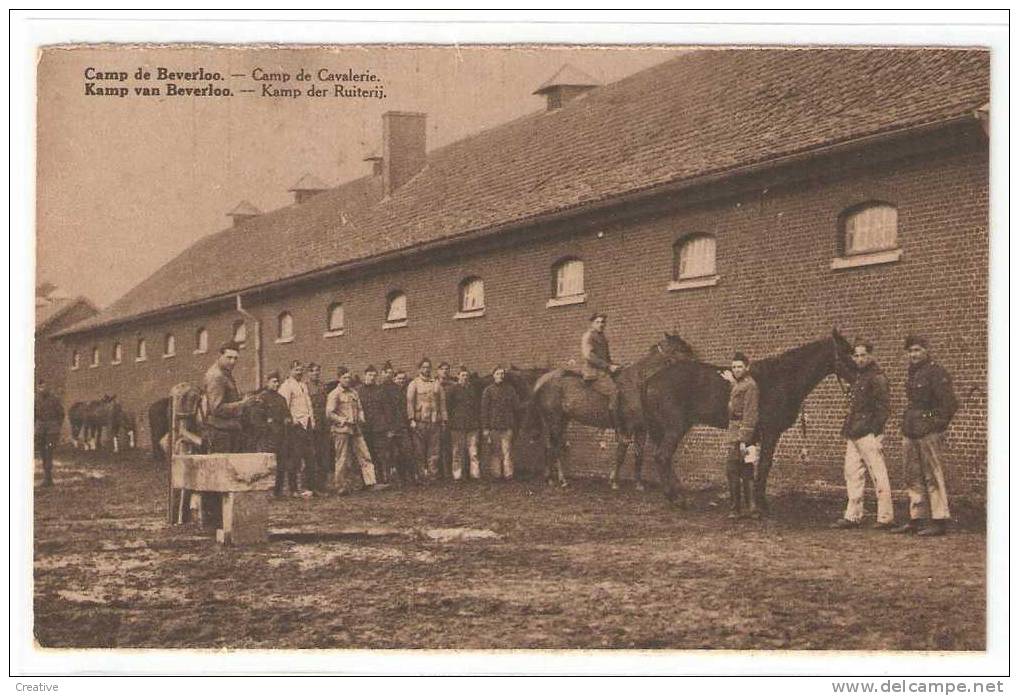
x,y
561,397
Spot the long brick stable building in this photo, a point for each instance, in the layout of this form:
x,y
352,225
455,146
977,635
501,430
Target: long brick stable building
x,y
748,199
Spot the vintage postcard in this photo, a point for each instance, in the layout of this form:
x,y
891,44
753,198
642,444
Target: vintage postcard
x,y
562,347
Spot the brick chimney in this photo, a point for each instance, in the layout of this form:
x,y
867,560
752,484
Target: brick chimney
x,y
567,84
243,211
403,148
306,187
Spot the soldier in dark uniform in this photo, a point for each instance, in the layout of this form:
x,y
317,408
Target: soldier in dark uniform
x,y
394,417
597,367
266,419
49,419
321,438
931,404
372,395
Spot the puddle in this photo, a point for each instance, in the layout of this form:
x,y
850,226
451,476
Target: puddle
x,y
456,534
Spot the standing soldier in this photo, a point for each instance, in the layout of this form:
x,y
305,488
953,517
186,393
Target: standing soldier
x,y
426,411
322,448
499,406
223,404
741,437
300,454
863,428
597,367
400,450
267,418
445,439
464,423
343,408
49,419
372,395
930,406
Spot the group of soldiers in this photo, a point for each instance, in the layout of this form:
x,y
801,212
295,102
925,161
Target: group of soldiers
x,y
360,431
930,406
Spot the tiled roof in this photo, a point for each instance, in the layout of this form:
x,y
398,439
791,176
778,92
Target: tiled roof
x,y
48,311
567,75
704,112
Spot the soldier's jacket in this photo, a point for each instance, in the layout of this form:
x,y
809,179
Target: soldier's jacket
x,y
594,350
868,404
265,420
49,413
318,395
223,404
372,397
743,411
930,400
392,415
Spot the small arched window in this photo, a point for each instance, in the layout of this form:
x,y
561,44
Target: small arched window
x,y
568,279
75,360
95,356
141,352
240,332
117,353
868,228
335,318
169,345
396,308
202,340
285,327
693,256
472,295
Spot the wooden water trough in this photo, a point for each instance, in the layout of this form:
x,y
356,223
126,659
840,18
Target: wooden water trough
x,y
233,489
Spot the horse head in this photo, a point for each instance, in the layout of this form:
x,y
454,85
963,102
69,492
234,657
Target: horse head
x,y
673,345
843,365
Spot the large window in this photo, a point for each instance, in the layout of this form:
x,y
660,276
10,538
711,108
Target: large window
x,y
117,353
285,327
693,257
202,340
334,319
240,334
472,296
869,228
140,352
169,345
396,309
568,279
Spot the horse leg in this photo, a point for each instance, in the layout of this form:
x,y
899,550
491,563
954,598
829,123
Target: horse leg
x,y
663,458
767,456
639,439
621,447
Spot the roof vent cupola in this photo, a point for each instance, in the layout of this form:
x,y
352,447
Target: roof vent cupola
x,y
567,84
243,211
306,187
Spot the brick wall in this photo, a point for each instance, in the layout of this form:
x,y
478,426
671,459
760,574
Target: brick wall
x,y
775,244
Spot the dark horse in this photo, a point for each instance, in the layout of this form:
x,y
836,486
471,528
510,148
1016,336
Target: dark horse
x,y
88,419
561,397
689,393
159,426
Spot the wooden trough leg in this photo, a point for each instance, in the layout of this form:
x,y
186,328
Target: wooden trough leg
x,y
245,518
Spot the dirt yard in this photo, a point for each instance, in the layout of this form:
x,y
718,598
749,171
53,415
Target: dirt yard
x,y
491,565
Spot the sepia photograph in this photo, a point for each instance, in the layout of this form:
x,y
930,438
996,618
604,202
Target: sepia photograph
x,y
516,346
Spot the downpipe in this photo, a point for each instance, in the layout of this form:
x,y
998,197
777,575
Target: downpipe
x,y
258,340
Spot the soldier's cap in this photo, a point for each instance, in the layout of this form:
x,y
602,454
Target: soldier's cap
x,y
370,368
916,340
296,363
741,357
443,364
275,374
313,365
387,365
597,315
230,345
341,370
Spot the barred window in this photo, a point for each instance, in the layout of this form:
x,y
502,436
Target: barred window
x,y
869,227
117,353
472,295
285,326
396,307
169,345
202,340
568,278
693,257
334,317
240,332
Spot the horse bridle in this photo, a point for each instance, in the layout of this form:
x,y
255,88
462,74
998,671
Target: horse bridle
x,y
836,361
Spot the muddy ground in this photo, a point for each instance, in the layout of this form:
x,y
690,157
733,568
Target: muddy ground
x,y
540,567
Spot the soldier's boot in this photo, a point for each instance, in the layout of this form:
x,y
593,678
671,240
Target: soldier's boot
x,y
735,493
